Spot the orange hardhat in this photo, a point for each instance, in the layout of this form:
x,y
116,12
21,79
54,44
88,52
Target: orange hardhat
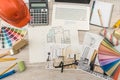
x,y
15,12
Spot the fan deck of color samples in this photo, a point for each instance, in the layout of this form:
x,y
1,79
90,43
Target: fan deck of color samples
x,y
109,58
9,35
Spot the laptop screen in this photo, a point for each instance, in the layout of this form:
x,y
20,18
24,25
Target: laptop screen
x,y
74,1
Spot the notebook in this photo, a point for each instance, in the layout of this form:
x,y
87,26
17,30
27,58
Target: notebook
x,y
105,10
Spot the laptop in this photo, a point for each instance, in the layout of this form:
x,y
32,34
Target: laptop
x,y
74,16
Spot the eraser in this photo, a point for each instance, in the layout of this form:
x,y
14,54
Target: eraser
x,y
21,66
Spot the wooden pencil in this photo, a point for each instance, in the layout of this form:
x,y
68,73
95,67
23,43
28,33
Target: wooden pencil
x,y
7,59
100,17
8,69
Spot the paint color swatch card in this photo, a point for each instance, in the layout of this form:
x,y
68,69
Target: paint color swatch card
x,y
109,59
9,35
105,11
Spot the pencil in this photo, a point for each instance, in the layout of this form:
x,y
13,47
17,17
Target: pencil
x,y
7,74
101,20
7,59
8,69
100,17
4,54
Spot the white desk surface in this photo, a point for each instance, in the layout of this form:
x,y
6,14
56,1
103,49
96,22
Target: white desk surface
x,y
38,71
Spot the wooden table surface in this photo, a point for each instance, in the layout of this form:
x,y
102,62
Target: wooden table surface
x,y
38,71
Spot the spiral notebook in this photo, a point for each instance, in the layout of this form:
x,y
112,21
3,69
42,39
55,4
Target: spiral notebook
x,y
106,13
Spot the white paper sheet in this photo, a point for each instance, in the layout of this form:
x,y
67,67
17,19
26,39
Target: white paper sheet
x,y
37,44
44,39
91,42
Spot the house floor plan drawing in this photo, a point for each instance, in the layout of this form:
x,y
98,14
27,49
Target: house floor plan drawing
x,y
58,35
57,40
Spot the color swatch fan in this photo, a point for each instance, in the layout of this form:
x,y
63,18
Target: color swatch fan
x,y
109,59
9,35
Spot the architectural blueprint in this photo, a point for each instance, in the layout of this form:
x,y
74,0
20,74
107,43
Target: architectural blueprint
x,y
57,40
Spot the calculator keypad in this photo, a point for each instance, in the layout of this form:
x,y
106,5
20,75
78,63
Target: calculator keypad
x,y
39,16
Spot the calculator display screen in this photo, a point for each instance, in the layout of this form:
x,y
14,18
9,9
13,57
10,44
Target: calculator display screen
x,y
38,5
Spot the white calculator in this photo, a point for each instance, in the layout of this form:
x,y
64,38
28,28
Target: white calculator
x,y
39,12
